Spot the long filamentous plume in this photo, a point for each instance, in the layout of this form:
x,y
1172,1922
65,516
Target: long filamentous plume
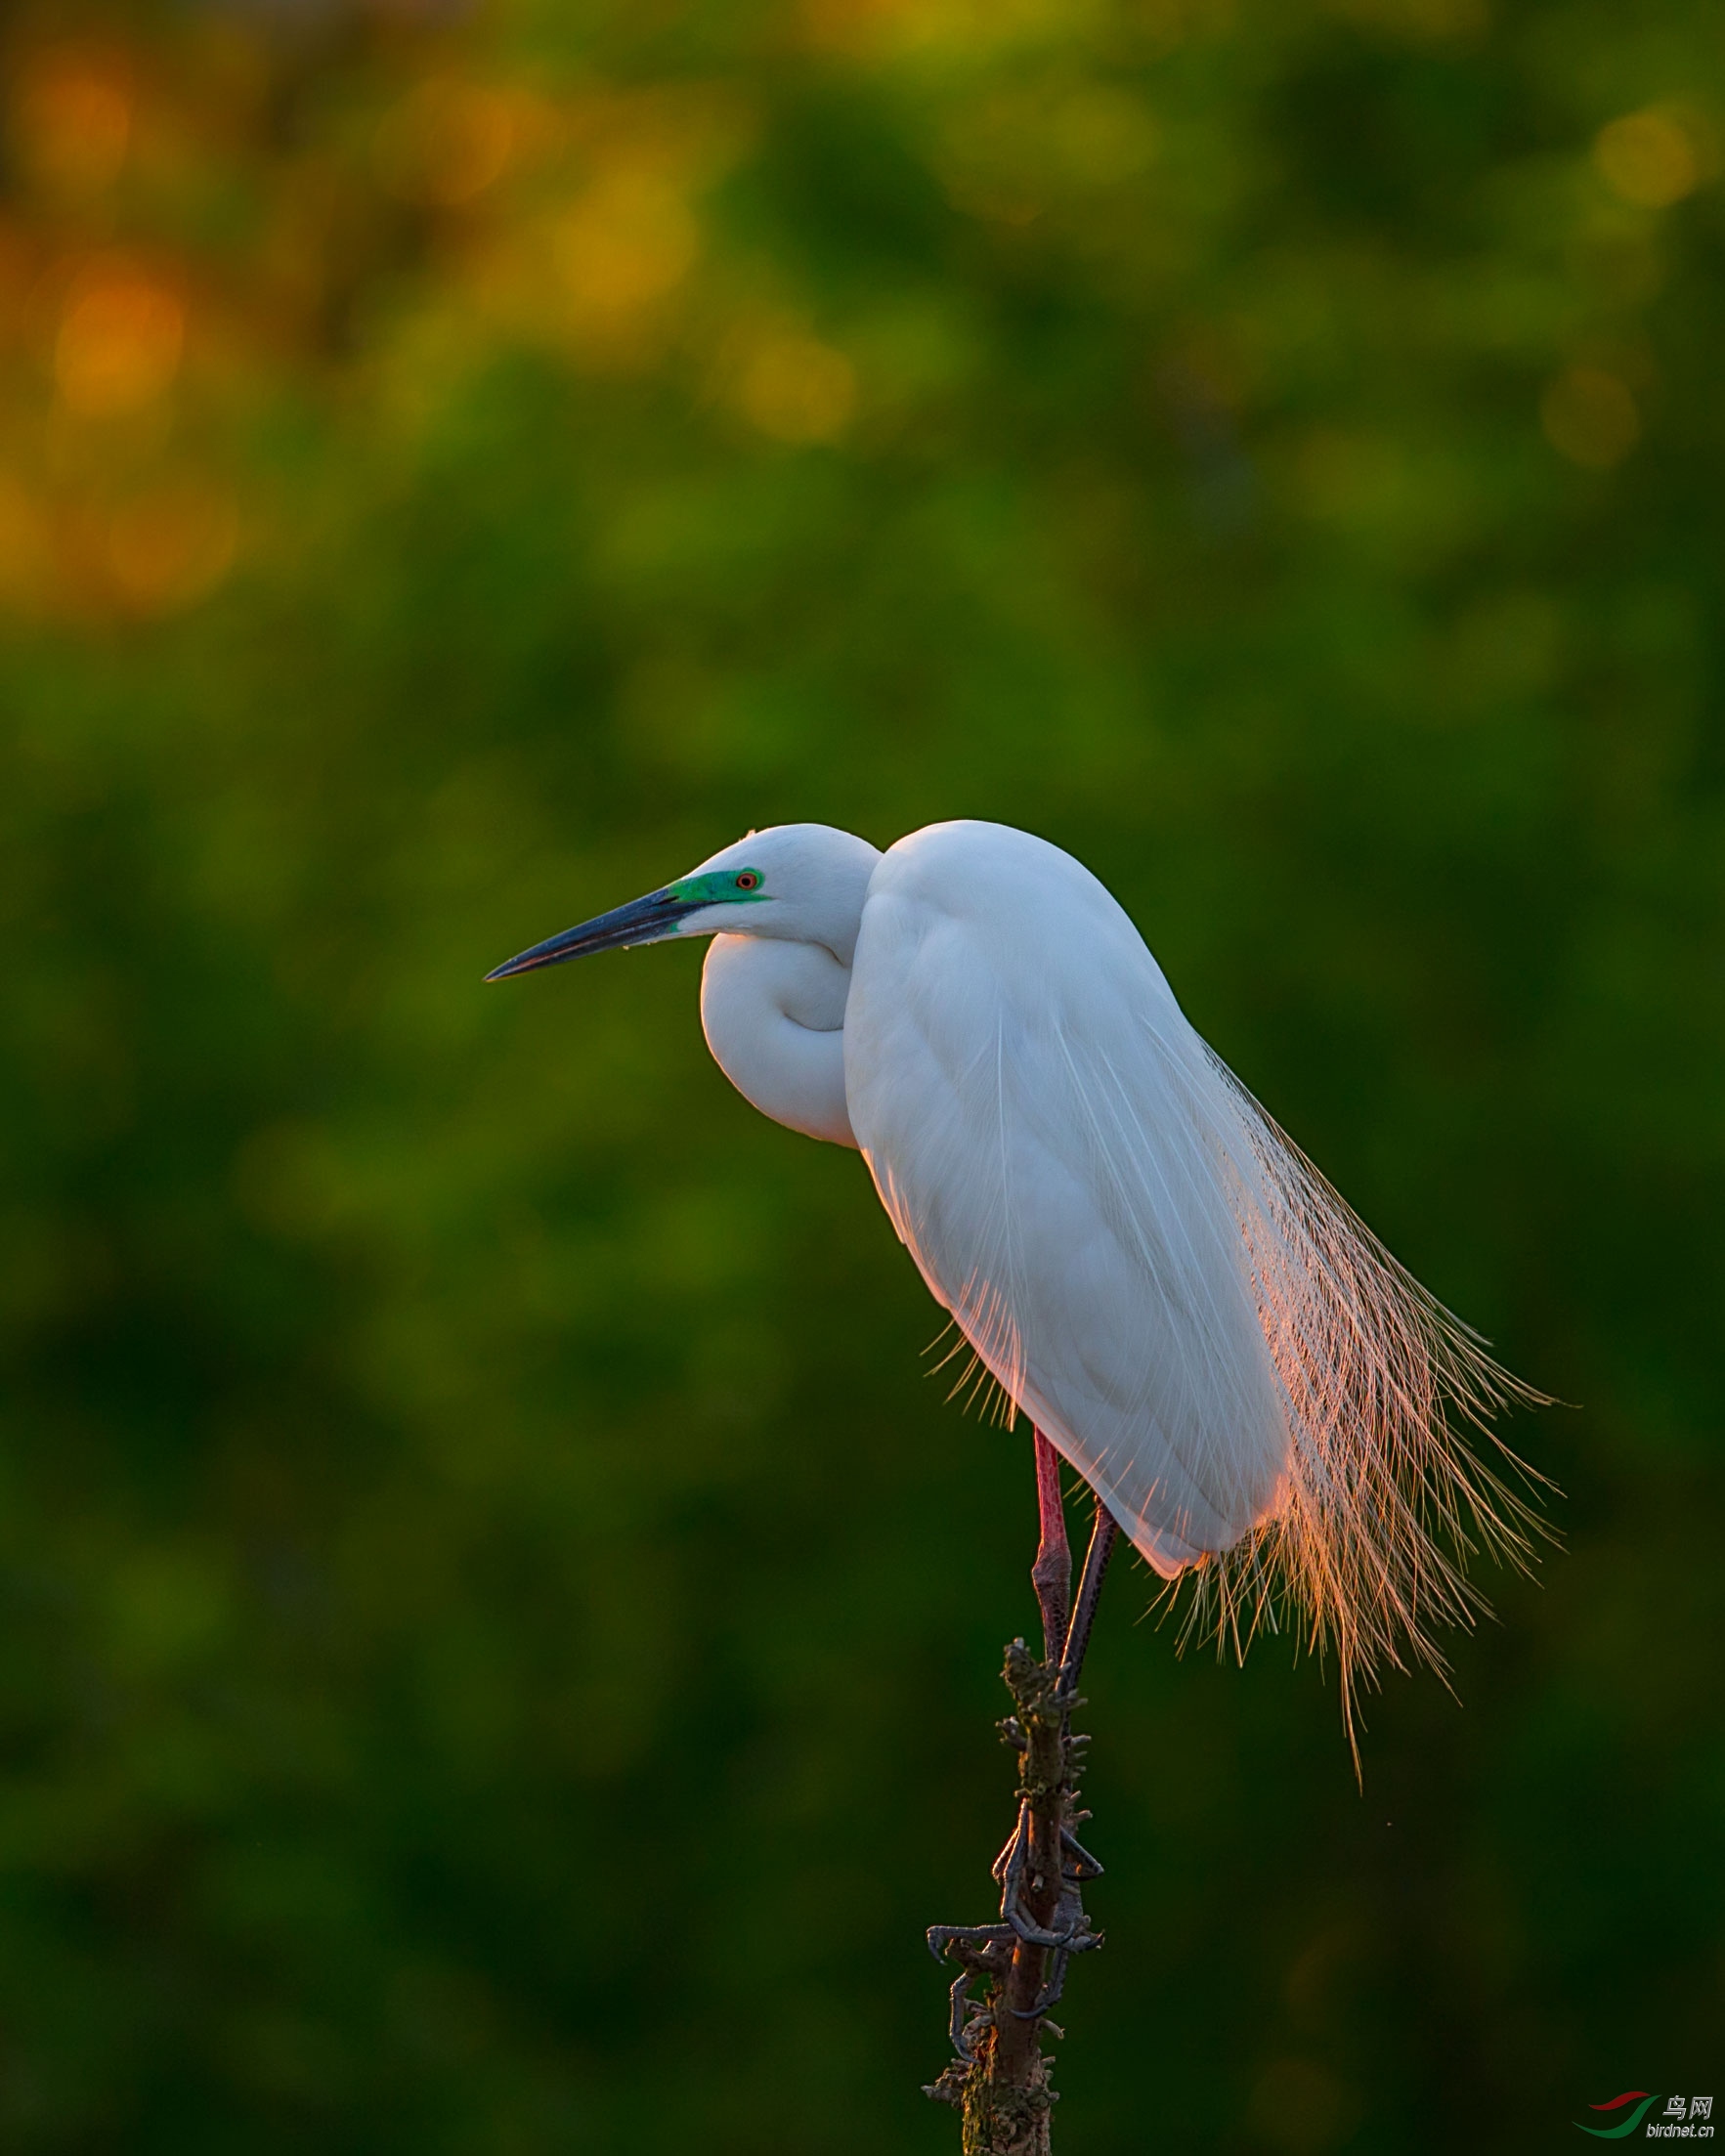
x,y
1361,1546
1385,1500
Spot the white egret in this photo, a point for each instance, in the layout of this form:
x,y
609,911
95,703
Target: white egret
x,y
1143,1261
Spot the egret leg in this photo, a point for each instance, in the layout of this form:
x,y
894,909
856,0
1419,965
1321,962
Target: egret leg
x,y
1052,1574
1102,1538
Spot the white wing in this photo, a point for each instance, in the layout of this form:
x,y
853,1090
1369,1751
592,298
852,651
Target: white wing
x,y
1057,1152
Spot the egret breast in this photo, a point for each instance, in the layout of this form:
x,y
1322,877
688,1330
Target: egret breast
x,y
773,1014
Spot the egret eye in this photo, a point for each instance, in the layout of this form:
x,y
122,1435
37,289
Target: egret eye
x,y
748,880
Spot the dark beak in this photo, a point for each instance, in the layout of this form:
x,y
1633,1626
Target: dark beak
x,y
641,921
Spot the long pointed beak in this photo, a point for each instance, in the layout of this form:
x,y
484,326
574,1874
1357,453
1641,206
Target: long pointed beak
x,y
642,920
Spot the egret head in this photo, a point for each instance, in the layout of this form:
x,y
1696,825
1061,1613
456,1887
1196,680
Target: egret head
x,y
796,882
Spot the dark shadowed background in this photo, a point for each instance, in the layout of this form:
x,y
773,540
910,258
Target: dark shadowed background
x,y
498,1631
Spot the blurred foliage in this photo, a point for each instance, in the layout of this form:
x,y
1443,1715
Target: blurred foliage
x,y
500,1634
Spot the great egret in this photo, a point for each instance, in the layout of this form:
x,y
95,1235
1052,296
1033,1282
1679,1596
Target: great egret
x,y
1141,1260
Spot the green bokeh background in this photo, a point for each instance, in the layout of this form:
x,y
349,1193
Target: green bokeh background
x,y
498,1629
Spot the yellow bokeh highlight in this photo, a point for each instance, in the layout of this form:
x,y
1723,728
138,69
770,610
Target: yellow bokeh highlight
x,y
1590,417
796,389
1649,159
624,245
119,344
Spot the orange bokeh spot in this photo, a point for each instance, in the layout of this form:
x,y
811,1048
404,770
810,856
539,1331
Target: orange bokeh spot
x,y
119,344
74,120
445,143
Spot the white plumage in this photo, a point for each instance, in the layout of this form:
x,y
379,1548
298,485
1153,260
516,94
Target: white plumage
x,y
1141,1260
1045,1139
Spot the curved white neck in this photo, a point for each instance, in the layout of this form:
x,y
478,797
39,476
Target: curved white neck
x,y
773,1014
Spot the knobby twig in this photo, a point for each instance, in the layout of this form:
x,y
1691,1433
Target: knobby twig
x,y
999,2077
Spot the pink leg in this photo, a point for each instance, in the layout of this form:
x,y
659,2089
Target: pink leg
x,y
1052,1574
